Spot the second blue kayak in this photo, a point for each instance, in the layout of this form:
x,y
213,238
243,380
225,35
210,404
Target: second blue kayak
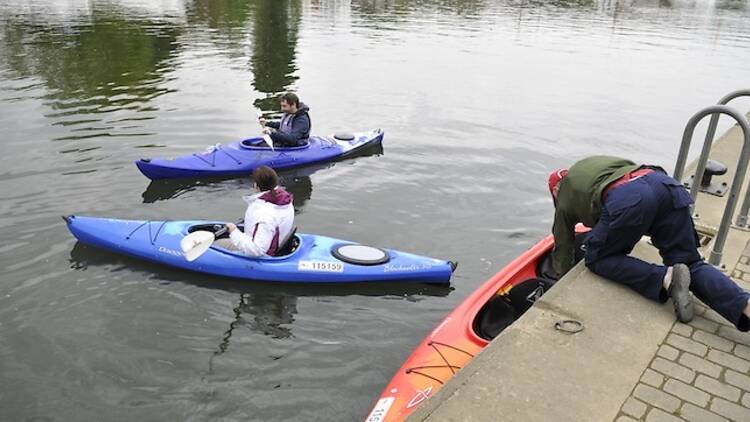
x,y
244,156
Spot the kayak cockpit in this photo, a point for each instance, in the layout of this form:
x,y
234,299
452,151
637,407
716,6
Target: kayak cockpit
x,y
503,309
507,306
260,144
288,246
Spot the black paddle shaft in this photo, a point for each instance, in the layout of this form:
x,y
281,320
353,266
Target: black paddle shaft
x,y
223,230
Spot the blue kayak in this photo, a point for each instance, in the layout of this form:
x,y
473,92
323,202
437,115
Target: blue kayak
x,y
306,258
244,156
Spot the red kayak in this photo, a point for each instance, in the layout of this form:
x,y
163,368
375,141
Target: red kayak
x,y
467,330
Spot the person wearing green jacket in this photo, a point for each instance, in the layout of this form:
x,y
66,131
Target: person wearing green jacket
x,y
622,201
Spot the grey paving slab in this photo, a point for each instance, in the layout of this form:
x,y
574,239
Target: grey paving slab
x,y
633,407
652,378
694,413
717,388
700,365
730,410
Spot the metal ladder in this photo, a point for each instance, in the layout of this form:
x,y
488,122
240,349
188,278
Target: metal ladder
x,y
739,176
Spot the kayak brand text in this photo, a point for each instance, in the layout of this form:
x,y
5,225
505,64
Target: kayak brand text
x,y
390,268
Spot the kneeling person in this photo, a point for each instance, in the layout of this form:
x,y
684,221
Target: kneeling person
x,y
269,218
622,201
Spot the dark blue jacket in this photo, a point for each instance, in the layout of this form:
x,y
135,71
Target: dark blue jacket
x,y
292,130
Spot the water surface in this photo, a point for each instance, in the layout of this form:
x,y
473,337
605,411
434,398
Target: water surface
x,y
478,100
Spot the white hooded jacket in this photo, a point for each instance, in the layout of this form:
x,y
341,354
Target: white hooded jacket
x,y
268,221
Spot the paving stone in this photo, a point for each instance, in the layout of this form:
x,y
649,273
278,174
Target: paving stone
x,y
704,324
682,329
656,415
686,392
687,345
730,361
745,259
737,336
656,398
746,400
625,419
732,411
673,370
668,352
700,365
738,380
634,408
742,267
742,351
713,341
652,378
717,388
696,414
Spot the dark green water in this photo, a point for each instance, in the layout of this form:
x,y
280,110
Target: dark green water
x,y
478,100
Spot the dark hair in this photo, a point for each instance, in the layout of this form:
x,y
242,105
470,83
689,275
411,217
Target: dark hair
x,y
266,179
291,99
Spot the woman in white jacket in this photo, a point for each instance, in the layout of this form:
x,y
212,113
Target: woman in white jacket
x,y
269,217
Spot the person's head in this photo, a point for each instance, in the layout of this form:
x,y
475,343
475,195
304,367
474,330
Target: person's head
x,y
265,178
554,182
289,102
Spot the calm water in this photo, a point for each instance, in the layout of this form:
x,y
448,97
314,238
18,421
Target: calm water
x,y
478,100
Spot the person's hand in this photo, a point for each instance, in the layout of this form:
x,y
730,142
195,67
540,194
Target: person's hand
x,y
267,130
231,227
262,121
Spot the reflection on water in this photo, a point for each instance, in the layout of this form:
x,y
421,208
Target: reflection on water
x,y
227,17
478,99
269,313
159,190
275,33
107,64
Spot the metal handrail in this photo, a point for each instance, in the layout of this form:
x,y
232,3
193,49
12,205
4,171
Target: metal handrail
x,y
739,176
703,159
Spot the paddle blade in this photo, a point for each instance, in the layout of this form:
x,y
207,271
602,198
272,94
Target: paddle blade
x,y
269,141
196,243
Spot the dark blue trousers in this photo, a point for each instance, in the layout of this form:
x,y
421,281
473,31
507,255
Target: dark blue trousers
x,y
658,205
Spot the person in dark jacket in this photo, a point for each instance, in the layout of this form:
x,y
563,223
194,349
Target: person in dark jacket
x,y
294,127
622,201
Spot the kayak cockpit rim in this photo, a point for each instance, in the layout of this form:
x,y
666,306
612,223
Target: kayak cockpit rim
x,y
258,143
296,240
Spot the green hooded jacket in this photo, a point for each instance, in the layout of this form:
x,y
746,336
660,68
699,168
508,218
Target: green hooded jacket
x,y
579,200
